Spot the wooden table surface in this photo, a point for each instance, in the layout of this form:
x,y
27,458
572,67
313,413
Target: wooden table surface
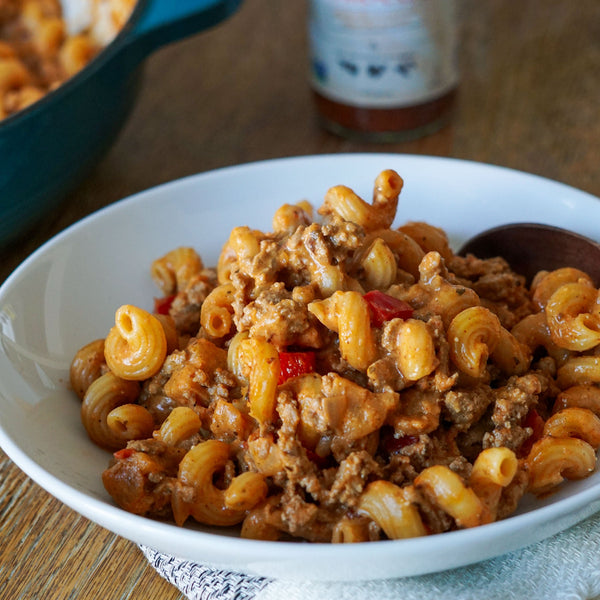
x,y
529,99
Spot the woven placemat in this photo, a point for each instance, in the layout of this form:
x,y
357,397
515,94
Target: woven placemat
x,y
565,566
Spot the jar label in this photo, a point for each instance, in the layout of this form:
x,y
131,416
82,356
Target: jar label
x,y
383,53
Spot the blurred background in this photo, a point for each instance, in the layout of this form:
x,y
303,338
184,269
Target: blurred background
x,y
528,98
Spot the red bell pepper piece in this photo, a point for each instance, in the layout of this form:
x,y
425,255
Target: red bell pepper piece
x,y
123,453
536,423
162,306
392,444
293,364
383,307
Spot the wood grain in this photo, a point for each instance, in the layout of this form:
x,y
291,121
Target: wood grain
x,y
529,99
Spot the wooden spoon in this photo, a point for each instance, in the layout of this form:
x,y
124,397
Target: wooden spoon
x,y
532,247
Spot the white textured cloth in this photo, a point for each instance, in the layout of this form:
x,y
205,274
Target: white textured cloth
x,y
563,567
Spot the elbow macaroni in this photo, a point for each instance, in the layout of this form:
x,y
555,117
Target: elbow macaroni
x,y
378,265
473,335
493,470
573,320
261,367
342,202
388,505
103,396
347,314
216,313
174,271
450,493
553,459
136,347
340,380
210,504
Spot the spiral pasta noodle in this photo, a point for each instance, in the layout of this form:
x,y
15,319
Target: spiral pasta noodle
x,y
341,379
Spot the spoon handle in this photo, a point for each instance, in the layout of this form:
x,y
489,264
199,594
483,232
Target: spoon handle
x,y
532,247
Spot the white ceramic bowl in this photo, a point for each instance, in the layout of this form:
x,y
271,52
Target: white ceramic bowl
x,y
66,293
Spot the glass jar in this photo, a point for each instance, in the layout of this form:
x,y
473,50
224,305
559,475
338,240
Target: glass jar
x,y
383,70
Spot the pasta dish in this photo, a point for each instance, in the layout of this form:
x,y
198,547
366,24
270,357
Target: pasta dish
x,y
341,379
38,52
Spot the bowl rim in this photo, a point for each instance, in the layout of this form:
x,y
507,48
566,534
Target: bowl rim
x,y
93,508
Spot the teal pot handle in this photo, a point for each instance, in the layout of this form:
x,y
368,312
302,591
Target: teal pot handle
x,y
47,149
158,22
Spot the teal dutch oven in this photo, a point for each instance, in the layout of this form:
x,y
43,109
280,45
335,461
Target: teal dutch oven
x,y
48,148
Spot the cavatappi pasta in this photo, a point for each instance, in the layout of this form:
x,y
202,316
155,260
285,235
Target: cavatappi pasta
x,y
38,52
340,380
